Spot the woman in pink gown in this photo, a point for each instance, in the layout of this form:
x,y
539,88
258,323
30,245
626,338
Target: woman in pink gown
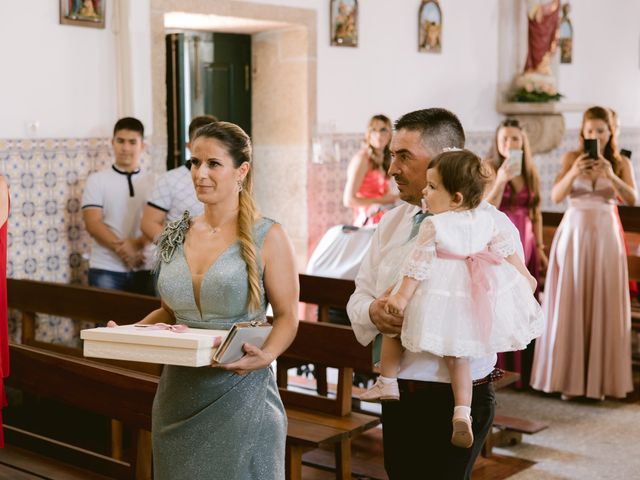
x,y
4,340
586,348
367,190
517,194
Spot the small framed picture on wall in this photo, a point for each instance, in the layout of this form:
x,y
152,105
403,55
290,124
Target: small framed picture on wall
x,y
565,37
430,27
343,18
83,13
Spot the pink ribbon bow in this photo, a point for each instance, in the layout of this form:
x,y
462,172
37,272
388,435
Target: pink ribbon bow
x,y
482,295
171,328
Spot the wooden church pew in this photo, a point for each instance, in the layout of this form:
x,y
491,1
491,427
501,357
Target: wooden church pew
x,y
115,392
313,420
333,346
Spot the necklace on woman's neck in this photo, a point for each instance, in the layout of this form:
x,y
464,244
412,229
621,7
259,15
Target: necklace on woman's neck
x,y
213,230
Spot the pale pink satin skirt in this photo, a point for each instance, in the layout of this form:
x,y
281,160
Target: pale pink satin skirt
x,y
586,347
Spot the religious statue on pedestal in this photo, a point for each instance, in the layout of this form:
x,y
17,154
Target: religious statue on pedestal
x,y
537,83
544,21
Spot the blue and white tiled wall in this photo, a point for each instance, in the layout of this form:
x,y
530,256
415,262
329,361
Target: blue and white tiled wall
x,y
46,237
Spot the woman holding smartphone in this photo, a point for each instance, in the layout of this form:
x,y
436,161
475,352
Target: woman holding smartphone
x,y
586,349
515,190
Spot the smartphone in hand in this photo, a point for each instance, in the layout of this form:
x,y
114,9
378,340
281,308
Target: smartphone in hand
x,y
591,148
515,162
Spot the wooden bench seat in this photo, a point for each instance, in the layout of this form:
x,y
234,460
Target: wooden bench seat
x,y
20,464
353,424
124,390
508,430
118,393
331,346
349,426
127,395
303,436
518,424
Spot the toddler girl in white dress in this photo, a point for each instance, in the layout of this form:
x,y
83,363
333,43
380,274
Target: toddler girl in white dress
x,y
464,292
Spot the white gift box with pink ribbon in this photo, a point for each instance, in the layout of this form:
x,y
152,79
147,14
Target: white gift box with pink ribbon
x,y
190,347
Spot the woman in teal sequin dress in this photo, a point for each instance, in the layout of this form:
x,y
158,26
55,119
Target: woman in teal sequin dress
x,y
226,422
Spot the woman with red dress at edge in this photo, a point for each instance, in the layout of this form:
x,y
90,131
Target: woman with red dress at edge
x,y
367,190
586,348
515,190
4,340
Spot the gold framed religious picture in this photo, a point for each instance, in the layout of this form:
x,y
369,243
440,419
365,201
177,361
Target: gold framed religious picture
x,y
83,13
343,18
565,36
430,27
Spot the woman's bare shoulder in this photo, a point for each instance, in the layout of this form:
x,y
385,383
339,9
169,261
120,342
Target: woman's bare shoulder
x,y
277,246
626,161
275,234
361,156
571,155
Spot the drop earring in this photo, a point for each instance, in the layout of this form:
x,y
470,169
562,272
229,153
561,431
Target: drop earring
x,y
239,186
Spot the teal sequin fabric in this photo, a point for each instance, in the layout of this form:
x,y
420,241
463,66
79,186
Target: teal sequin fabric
x,y
208,423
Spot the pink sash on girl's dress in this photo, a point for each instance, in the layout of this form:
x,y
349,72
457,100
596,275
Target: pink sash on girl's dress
x,y
4,340
482,295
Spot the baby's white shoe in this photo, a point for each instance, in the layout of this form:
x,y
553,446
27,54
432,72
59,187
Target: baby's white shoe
x,y
382,391
462,435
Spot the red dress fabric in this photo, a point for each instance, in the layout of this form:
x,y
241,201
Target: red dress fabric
x,y
4,335
374,185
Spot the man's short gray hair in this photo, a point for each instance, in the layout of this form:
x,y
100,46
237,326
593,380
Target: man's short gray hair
x,y
439,128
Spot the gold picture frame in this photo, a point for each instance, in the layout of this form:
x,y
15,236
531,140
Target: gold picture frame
x,y
430,27
83,13
343,27
565,36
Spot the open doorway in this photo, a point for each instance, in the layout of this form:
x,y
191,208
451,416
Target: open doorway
x,y
283,95
207,74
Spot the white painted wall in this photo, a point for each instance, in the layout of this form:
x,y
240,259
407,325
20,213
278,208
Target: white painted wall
x,y
60,76
140,56
63,76
386,73
606,58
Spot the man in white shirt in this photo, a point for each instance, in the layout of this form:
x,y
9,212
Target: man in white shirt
x,y
174,193
112,203
417,429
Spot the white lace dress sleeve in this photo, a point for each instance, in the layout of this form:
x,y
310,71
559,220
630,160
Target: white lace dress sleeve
x,y
424,251
502,244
